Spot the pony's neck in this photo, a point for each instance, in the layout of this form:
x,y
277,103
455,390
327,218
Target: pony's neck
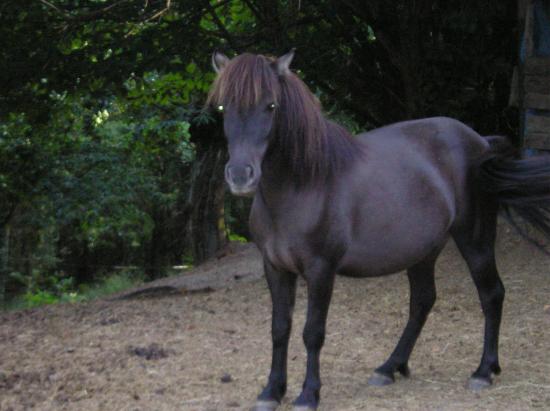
x,y
305,156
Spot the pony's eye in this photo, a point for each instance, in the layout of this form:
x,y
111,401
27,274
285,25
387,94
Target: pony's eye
x,y
219,108
271,106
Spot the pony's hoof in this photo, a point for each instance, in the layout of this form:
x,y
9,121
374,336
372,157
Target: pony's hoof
x,y
303,408
478,384
263,405
380,380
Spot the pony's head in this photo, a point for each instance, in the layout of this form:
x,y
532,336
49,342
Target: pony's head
x,y
265,106
247,92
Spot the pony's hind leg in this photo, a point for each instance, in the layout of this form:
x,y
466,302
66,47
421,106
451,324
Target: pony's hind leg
x,y
480,257
422,299
476,242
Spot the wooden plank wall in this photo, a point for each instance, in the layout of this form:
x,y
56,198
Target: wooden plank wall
x,y
534,86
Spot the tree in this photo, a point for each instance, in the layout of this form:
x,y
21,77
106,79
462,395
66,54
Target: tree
x,y
107,153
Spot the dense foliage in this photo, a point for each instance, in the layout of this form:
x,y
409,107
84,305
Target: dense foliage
x,y
108,159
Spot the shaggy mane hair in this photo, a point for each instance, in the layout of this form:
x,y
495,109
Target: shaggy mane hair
x,y
313,147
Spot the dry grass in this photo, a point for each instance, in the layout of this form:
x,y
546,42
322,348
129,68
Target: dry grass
x,y
94,356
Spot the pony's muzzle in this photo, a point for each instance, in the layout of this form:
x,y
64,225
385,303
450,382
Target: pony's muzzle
x,y
241,179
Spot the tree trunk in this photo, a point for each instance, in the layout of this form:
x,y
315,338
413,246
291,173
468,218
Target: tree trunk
x,y
205,202
158,258
207,226
73,253
4,256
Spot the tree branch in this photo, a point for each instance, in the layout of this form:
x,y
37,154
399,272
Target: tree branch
x,y
222,27
254,10
161,12
53,6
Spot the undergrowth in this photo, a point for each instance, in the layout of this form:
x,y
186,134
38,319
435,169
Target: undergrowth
x,y
63,290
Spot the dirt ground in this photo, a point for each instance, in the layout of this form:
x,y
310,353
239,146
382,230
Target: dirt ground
x,y
210,350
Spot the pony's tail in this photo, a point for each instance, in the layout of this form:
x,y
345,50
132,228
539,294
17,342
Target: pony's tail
x,y
521,187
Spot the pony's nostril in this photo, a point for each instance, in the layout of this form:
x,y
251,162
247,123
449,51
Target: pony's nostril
x,y
239,175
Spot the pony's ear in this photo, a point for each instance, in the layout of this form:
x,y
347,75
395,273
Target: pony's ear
x,y
282,64
219,61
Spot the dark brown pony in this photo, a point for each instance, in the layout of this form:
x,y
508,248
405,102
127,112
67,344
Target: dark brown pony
x,y
326,202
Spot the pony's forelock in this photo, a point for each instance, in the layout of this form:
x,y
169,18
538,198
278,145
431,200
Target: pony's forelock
x,y
244,82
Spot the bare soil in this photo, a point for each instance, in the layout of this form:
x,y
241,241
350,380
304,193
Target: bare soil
x,y
210,350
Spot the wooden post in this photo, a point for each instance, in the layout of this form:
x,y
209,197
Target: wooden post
x,y
534,84
526,50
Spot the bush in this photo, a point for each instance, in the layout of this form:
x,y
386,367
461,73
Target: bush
x,y
62,290
111,284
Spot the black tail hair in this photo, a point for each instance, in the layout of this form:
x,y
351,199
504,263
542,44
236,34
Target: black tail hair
x,y
521,186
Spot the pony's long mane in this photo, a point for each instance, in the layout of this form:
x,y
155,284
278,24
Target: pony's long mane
x,y
311,147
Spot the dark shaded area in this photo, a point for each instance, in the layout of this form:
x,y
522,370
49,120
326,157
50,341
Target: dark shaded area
x,y
151,352
83,192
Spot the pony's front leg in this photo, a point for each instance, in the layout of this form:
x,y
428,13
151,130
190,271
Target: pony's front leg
x,y
282,286
320,280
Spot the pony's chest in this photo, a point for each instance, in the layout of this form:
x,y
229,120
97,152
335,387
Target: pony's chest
x,y
281,254
288,230
281,243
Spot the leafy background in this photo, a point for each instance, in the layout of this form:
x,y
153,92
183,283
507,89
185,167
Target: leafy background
x,y
111,170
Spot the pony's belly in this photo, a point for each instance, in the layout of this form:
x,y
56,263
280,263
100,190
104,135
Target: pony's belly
x,y
382,260
365,268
